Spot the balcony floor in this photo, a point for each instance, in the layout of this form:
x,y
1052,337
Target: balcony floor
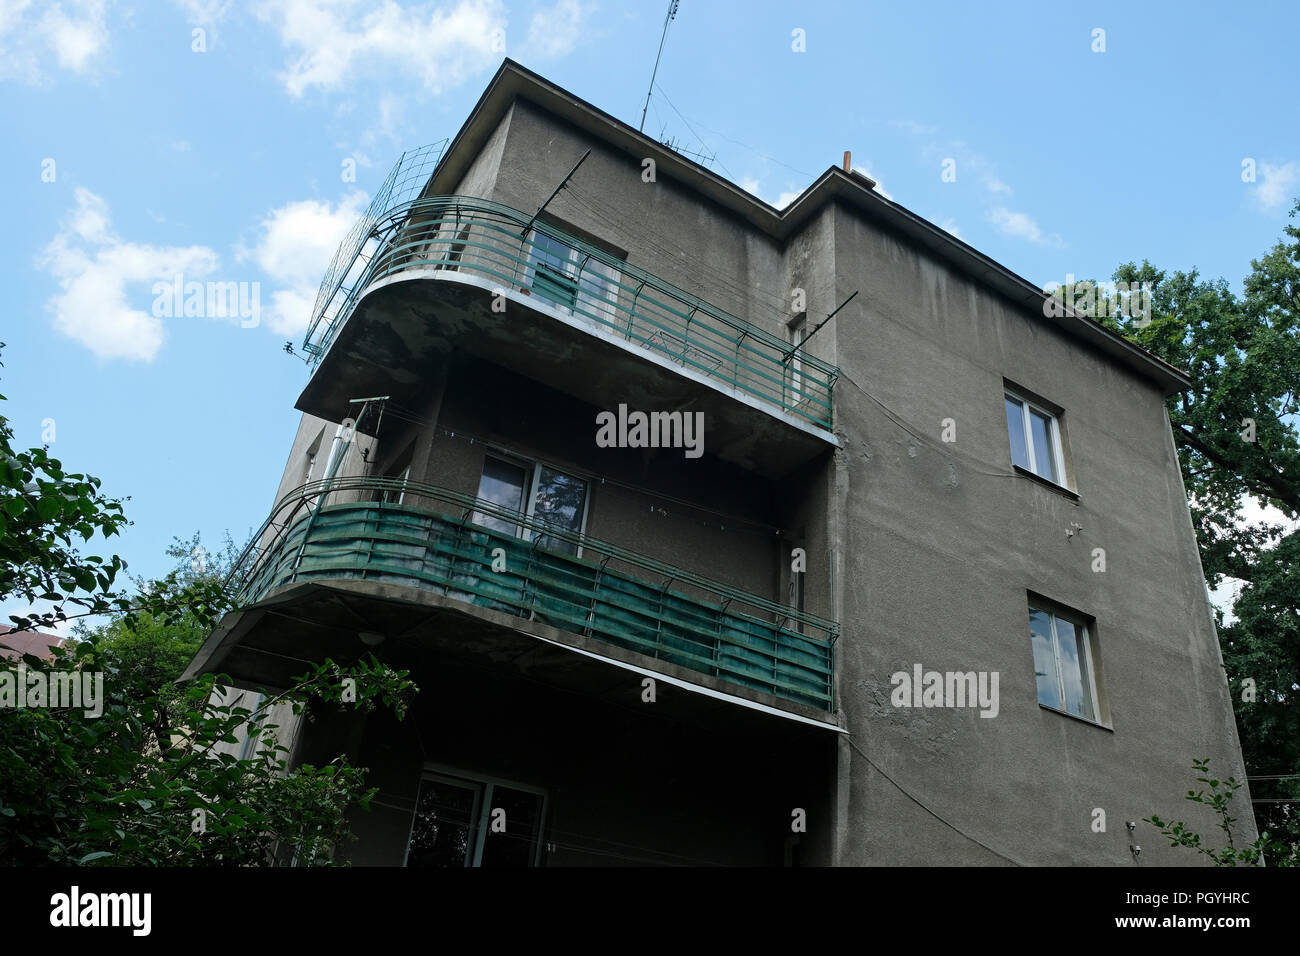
x,y
404,326
271,642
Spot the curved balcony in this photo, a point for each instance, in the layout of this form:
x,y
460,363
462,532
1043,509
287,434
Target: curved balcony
x,y
487,257
429,540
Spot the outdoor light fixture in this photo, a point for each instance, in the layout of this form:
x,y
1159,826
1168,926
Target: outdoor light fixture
x,y
370,638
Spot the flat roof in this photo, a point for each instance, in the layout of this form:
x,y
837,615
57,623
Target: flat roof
x,y
514,81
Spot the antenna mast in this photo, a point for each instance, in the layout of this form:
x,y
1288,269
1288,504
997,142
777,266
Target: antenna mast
x,y
672,12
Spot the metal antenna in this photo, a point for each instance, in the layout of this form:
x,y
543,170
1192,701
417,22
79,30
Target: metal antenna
x,y
672,12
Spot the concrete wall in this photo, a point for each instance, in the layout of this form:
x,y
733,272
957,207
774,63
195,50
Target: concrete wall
x,y
942,543
661,226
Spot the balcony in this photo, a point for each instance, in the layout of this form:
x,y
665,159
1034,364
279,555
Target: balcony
x,y
424,277
411,535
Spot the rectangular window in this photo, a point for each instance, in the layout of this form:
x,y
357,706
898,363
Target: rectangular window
x,y
573,279
460,821
1063,662
502,484
798,332
553,498
1035,437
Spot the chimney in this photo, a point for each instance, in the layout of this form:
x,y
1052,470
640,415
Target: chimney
x,y
848,161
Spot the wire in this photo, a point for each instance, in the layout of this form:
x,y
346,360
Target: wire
x,y
909,796
945,447
670,250
693,133
734,522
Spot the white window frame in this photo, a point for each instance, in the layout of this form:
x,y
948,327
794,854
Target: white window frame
x,y
532,476
1084,631
1053,437
534,479
579,260
482,812
798,335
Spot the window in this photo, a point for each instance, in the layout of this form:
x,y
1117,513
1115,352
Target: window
x,y
399,470
798,330
309,458
1063,662
571,278
1035,436
550,496
461,821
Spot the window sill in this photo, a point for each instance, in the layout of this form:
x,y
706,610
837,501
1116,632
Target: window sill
x,y
1083,720
1046,482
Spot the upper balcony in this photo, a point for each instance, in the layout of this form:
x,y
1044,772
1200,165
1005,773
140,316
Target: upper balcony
x,y
422,277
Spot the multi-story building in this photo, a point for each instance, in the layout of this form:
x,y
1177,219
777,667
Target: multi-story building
x,y
666,549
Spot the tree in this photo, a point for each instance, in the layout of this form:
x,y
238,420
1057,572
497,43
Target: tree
x,y
82,789
129,771
1235,430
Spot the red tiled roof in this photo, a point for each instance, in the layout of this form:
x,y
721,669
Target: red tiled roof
x,y
14,644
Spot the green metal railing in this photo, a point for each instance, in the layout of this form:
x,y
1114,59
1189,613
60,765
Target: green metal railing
x,y
430,540
446,236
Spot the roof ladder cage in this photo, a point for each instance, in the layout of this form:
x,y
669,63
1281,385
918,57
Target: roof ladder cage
x,y
404,183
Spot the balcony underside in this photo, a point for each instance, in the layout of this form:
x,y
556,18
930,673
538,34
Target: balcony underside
x,y
404,326
270,643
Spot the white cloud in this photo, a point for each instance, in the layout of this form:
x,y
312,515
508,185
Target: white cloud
x,y
1249,512
915,128
295,247
554,31
72,33
1277,185
755,188
878,188
950,225
993,184
331,42
203,12
95,267
1019,225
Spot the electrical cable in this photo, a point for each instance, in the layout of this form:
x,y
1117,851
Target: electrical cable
x,y
909,796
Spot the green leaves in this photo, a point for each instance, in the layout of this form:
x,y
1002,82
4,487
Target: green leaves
x,y
1243,355
84,791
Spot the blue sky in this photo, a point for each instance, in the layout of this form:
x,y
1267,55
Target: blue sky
x,y
131,155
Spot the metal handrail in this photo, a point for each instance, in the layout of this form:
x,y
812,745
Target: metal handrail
x,y
441,236
245,569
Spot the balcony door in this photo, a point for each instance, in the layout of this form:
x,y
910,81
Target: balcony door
x,y
462,821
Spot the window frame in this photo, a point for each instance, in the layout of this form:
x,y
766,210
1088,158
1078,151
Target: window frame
x,y
482,785
1054,438
798,334
532,469
1084,630
606,299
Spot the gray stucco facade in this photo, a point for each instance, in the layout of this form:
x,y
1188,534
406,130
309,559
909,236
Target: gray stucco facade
x,y
925,544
